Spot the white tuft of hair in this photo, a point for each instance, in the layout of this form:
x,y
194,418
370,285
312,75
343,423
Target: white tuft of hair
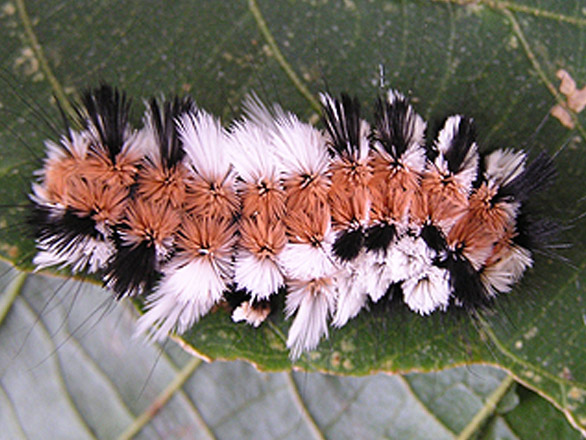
x,y
206,144
260,114
251,315
354,283
352,295
260,276
251,152
500,276
311,301
86,255
305,261
428,290
502,166
186,293
300,147
381,270
75,143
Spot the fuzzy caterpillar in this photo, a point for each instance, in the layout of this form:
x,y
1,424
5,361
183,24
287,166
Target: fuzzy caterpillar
x,y
183,210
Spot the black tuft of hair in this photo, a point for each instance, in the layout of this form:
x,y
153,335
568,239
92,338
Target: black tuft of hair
x,y
234,296
133,269
108,111
164,121
64,231
434,238
460,145
379,237
535,233
342,120
468,290
394,124
539,174
348,244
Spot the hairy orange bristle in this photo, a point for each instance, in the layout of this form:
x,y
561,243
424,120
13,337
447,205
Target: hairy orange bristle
x,y
146,221
308,226
262,237
263,197
502,246
349,208
303,191
483,226
122,172
349,174
210,199
348,195
57,175
394,193
206,236
444,200
163,185
91,198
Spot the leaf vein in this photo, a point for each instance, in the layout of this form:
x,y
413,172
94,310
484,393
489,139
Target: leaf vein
x,y
43,63
487,409
13,415
530,10
303,410
423,405
287,68
59,371
161,400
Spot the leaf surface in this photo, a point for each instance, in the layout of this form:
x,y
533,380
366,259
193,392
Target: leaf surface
x,y
493,60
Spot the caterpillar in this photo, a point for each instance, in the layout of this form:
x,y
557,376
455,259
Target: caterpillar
x,y
183,210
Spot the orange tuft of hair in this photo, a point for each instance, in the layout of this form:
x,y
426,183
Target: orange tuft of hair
x,y
151,222
163,185
92,198
210,198
483,226
261,236
308,226
304,191
395,193
122,172
444,201
57,176
264,197
204,236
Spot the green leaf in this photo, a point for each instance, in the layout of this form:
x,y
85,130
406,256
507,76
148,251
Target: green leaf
x,y
493,60
70,368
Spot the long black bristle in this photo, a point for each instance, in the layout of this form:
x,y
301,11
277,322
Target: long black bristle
x,y
164,120
342,121
133,269
468,290
535,233
108,111
63,230
394,125
460,145
539,174
434,238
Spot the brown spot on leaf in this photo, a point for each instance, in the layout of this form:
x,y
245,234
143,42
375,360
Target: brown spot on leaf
x,y
575,99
